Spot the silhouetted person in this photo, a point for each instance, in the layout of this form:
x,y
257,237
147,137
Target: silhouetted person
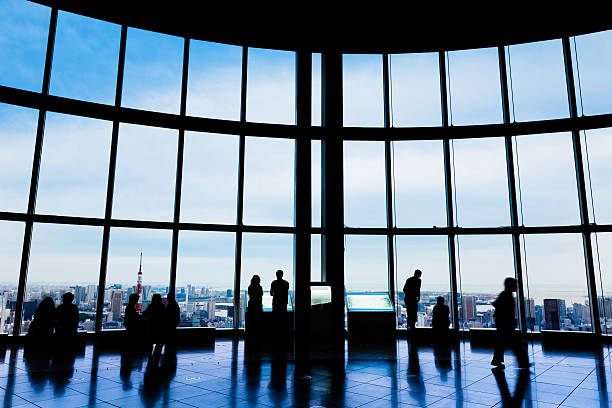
x,y
279,290
155,320
255,295
132,320
44,319
505,323
67,317
440,320
173,318
412,296
255,306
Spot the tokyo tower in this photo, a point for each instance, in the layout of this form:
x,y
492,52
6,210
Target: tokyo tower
x,y
139,286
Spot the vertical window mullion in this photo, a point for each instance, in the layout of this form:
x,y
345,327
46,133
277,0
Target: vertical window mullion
x,y
240,204
112,167
40,130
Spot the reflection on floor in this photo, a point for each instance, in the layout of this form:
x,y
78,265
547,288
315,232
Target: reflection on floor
x,y
231,375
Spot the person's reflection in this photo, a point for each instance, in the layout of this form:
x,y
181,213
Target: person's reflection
x,y
442,360
131,359
415,377
38,365
158,375
510,400
252,370
62,369
278,379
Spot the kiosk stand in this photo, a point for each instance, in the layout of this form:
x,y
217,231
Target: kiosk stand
x,y
370,315
320,310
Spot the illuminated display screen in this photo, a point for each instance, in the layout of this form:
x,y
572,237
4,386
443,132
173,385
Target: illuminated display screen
x,y
369,302
320,295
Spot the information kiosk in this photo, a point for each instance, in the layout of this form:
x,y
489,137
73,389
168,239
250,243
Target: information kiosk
x,y
320,310
370,314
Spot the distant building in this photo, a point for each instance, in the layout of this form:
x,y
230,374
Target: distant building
x,y
116,304
211,309
92,292
551,314
146,292
469,308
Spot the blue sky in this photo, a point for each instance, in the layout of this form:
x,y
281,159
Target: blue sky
x,y
75,157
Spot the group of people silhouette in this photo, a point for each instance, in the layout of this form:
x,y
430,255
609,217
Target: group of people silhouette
x,y
505,322
279,290
157,324
153,328
61,321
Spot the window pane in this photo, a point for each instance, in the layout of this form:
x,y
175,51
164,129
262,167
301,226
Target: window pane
x,y
74,166
24,28
315,258
263,255
430,255
17,137
602,254
146,173
474,91
153,67
268,181
215,76
537,79
64,258
593,56
364,184
557,287
547,179
316,183
365,263
85,58
598,173
420,195
316,89
11,245
205,278
483,263
122,272
481,182
363,90
415,85
271,86
210,178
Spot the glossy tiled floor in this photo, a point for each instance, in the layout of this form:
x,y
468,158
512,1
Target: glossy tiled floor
x,y
390,375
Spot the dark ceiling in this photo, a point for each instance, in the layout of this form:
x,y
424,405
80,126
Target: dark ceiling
x,y
319,27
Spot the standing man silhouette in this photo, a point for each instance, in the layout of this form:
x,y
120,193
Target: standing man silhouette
x,y
279,290
505,324
412,296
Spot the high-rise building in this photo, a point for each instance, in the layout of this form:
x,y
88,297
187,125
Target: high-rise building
x,y
92,291
469,307
562,307
147,293
80,294
116,304
551,314
211,309
3,302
